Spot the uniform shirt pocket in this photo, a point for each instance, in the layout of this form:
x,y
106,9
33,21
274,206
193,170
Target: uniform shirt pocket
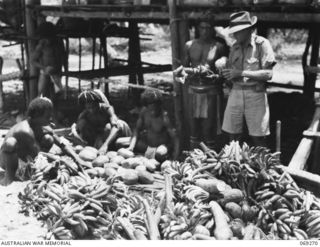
x,y
252,63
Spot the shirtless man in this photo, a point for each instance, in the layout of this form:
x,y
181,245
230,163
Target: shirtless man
x,y
159,135
205,94
97,124
49,57
25,139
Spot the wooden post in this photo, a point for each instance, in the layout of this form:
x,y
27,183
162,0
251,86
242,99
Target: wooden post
x,y
278,136
302,153
176,59
1,87
310,80
184,36
80,58
134,60
30,31
103,43
67,77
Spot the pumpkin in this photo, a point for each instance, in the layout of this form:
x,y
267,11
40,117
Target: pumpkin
x,y
100,161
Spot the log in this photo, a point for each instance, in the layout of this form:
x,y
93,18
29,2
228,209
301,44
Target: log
x,y
11,76
305,178
302,153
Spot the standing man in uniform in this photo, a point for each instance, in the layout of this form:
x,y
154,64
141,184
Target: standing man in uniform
x,y
205,94
250,64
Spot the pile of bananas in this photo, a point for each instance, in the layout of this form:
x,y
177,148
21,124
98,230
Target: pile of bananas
x,y
285,211
77,205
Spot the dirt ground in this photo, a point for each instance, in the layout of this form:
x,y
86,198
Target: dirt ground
x,y
291,108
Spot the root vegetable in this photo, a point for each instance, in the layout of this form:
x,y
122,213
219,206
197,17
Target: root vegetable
x,y
222,230
231,195
100,161
125,153
145,177
88,153
212,185
233,209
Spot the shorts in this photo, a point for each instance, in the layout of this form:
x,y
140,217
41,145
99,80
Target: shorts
x,y
249,105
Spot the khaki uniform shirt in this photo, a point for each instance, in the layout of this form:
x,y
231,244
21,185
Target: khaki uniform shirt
x,y
256,55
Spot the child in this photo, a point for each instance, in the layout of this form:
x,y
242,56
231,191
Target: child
x,y
159,133
97,124
25,139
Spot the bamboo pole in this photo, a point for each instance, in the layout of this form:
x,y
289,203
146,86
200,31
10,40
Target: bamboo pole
x,y
302,153
30,31
278,136
1,87
174,32
184,36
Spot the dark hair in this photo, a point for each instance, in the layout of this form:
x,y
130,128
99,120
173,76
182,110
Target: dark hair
x,y
46,30
39,106
151,97
208,18
89,96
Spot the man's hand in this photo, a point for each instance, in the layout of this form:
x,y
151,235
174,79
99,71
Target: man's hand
x,y
221,64
48,70
230,74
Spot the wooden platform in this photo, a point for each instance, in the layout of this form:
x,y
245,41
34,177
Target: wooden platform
x,y
291,15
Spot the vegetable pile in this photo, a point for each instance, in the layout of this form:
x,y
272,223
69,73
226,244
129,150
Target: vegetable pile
x,y
239,193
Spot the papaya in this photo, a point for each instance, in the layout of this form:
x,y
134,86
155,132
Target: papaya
x,y
111,165
145,177
117,159
200,229
111,154
88,153
125,153
109,172
233,209
100,161
141,168
129,176
131,162
151,164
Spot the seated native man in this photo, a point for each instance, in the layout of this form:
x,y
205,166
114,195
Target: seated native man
x,y
49,56
25,139
97,124
159,136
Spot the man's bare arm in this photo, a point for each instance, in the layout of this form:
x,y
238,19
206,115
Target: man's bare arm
x,y
136,131
173,135
259,75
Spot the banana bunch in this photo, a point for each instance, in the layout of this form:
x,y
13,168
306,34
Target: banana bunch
x,y
63,174
194,193
311,222
179,170
171,229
